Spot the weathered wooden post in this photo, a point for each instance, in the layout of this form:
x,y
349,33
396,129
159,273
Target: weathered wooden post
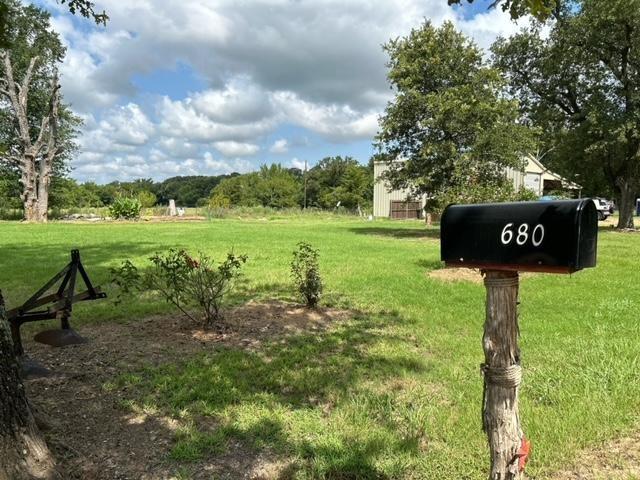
x,y
502,375
502,239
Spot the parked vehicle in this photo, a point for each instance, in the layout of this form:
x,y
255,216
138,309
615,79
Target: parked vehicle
x,y
604,208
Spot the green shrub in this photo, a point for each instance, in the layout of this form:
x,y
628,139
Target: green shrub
x,y
480,193
184,281
219,200
305,272
125,208
147,199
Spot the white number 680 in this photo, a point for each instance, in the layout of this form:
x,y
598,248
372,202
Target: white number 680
x,y
522,234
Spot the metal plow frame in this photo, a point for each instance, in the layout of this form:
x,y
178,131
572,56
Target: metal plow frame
x,y
61,305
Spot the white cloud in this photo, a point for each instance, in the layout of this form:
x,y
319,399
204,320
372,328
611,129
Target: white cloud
x,y
176,147
315,66
337,122
127,125
280,146
238,102
230,148
277,44
182,118
219,167
485,27
104,168
299,164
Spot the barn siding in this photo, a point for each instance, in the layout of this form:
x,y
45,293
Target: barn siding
x,y
382,195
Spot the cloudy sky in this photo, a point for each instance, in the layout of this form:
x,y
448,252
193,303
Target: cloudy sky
x,y
204,87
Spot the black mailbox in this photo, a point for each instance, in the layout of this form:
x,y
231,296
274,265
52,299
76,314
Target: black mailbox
x,y
556,236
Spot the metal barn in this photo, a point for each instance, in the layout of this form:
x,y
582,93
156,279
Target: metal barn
x,y
399,204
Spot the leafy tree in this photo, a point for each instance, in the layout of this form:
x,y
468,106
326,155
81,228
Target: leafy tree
x,y
541,9
449,126
581,84
240,191
9,188
277,187
187,191
85,8
219,200
146,199
36,129
64,193
89,195
340,180
273,186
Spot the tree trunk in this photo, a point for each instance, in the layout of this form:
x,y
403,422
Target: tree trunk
x,y
43,199
626,205
502,375
37,156
29,194
23,452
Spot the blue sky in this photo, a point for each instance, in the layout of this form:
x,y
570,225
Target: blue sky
x,y
208,87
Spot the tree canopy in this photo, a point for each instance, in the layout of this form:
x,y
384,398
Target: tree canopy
x,y
272,186
37,130
449,128
334,181
85,8
340,181
540,9
581,86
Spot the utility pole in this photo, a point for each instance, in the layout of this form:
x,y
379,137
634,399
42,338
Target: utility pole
x,y
305,184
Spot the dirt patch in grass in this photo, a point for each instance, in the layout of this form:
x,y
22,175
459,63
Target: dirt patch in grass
x,y
96,437
167,218
618,459
456,275
464,275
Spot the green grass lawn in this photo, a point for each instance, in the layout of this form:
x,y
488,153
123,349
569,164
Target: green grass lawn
x,y
394,393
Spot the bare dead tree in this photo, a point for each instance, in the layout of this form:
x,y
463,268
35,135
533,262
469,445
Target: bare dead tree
x,y
33,157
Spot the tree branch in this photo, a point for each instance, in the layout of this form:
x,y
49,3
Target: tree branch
x,y
52,150
39,143
24,88
20,110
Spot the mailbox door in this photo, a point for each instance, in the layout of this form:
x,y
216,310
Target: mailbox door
x,y
587,235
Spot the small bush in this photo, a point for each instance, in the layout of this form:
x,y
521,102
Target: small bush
x,y
219,200
147,199
184,281
125,208
305,272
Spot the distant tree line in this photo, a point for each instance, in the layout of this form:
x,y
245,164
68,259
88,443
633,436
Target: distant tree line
x,y
68,193
334,181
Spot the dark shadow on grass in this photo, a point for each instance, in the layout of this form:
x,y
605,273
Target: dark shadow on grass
x,y
401,233
430,264
310,372
26,269
612,228
245,291
33,266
